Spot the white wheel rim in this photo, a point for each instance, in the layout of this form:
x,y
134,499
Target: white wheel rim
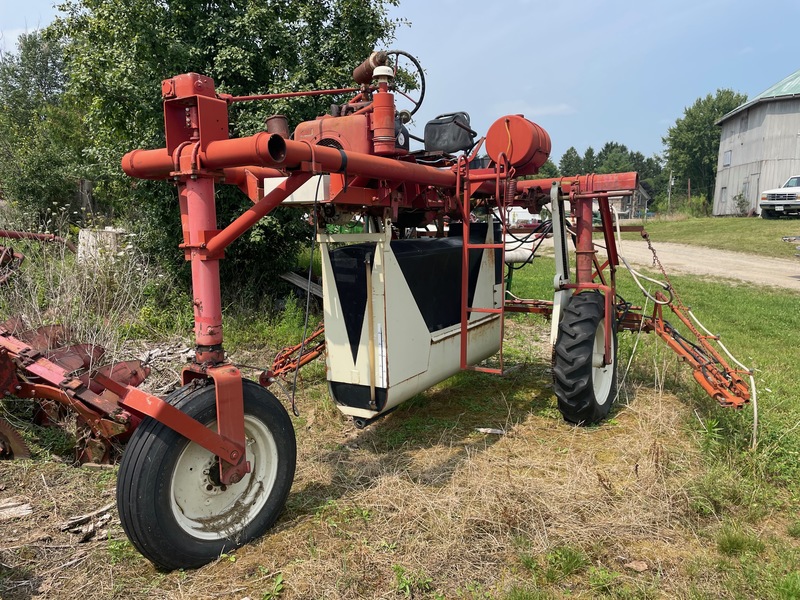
x,y
602,375
210,512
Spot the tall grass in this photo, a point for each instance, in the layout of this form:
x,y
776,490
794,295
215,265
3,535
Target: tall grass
x,y
758,325
734,484
103,299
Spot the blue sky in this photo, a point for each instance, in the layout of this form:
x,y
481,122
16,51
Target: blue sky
x,y
587,71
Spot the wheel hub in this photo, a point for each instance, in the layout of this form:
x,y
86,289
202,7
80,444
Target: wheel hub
x,y
209,509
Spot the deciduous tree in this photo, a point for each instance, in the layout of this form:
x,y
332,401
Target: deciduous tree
x,y
41,139
548,169
119,51
692,143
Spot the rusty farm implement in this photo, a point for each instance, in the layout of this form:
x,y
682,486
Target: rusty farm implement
x,y
210,466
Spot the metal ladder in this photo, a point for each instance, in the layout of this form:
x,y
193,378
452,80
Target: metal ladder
x,y
467,245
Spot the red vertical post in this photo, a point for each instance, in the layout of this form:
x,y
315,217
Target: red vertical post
x,y
199,217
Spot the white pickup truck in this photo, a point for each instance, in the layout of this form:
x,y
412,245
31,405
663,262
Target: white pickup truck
x,y
784,200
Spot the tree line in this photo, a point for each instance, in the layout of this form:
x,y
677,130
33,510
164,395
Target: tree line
x,y
690,156
77,95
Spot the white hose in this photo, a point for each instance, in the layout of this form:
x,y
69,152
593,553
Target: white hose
x,y
633,350
644,310
635,274
753,394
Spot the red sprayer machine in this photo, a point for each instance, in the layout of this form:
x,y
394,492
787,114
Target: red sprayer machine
x,y
209,467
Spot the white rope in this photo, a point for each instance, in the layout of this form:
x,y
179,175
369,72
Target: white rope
x,y
636,274
644,310
753,394
633,350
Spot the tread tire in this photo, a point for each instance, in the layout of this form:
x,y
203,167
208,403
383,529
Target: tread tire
x,y
148,469
575,379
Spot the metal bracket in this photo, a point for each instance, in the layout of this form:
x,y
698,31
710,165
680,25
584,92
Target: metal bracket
x,y
230,420
562,276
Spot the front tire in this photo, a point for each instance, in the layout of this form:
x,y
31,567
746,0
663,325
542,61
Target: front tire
x,y
170,501
584,386
768,213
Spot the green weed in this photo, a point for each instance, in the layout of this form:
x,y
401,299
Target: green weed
x,y
473,591
563,561
276,590
732,540
54,440
719,490
409,582
788,587
559,564
121,550
527,593
794,529
602,581
334,515
710,434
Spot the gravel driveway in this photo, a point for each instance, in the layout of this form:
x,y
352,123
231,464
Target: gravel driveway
x,y
697,260
682,258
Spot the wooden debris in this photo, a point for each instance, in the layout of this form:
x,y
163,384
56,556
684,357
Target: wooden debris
x,y
14,508
90,466
74,522
490,430
303,283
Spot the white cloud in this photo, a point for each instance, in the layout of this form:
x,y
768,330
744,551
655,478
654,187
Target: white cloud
x,y
531,111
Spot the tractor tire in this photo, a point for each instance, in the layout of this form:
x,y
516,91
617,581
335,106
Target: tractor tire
x,y
585,388
170,505
768,213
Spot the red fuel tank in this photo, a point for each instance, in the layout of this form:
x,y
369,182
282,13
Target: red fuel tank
x,y
525,144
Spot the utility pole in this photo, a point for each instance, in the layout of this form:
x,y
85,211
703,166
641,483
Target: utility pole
x,y
669,193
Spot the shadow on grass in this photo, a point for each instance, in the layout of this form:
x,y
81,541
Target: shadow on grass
x,y
430,436
18,583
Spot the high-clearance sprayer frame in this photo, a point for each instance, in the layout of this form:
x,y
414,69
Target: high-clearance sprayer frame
x,y
210,466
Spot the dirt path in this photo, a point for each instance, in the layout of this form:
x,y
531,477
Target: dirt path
x,y
761,270
696,260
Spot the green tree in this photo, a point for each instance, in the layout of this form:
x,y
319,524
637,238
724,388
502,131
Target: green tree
x,y
41,141
548,170
119,51
571,163
609,149
692,143
589,161
616,160
647,167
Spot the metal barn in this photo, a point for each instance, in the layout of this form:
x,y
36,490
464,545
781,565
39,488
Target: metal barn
x,y
759,147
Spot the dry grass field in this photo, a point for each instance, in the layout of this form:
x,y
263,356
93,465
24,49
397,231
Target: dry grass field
x,y
665,499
